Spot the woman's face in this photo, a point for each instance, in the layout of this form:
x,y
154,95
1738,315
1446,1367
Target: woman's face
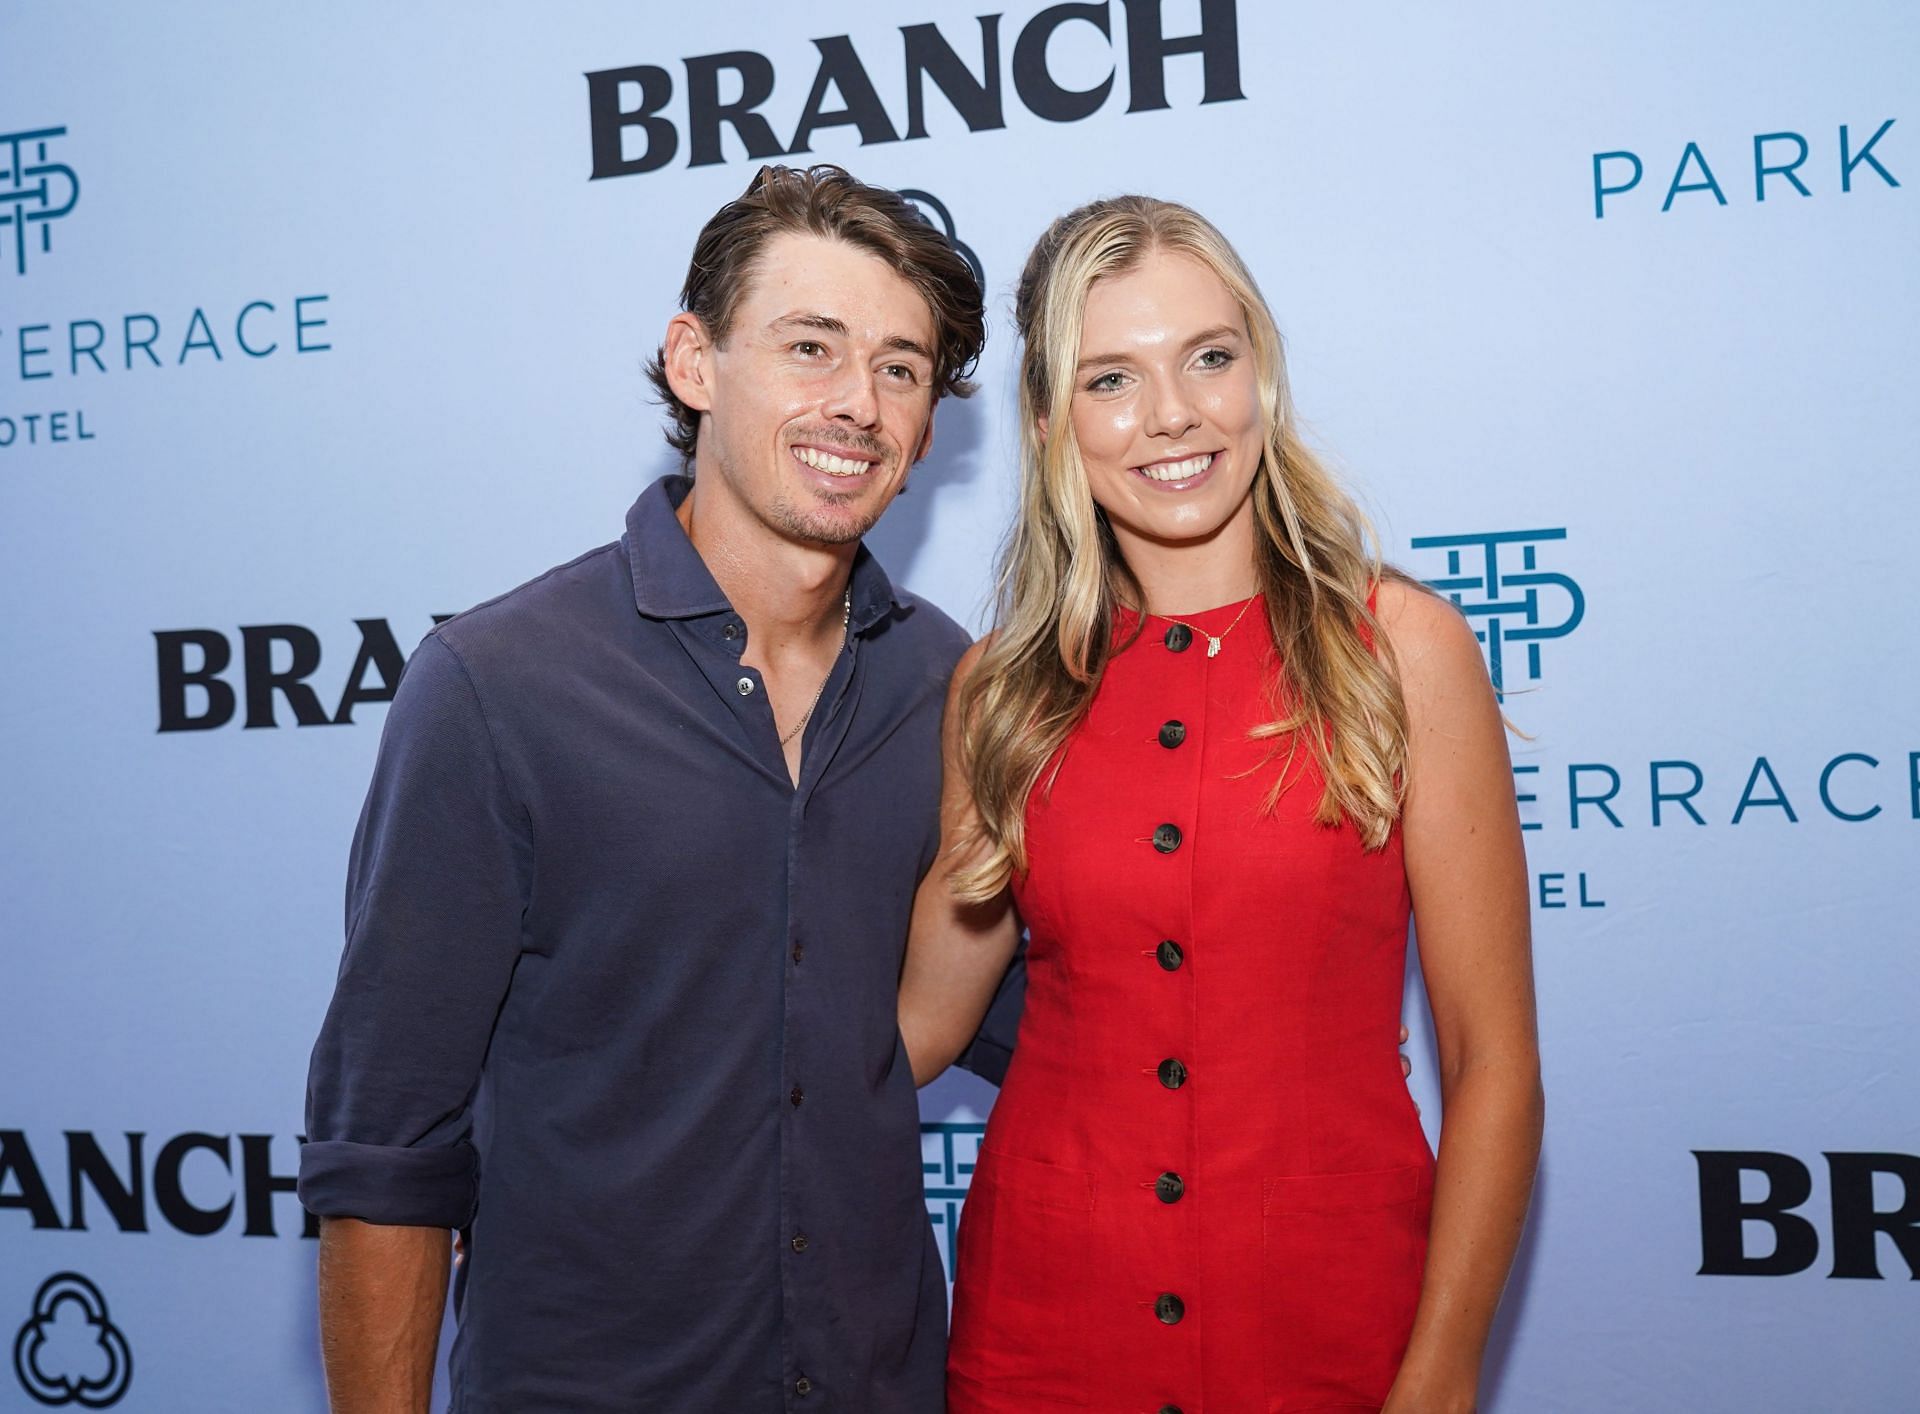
x,y
1166,406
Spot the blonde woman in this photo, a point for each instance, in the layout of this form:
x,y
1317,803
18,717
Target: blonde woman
x,y
1216,756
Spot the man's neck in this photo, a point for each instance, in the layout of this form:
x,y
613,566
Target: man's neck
x,y
791,595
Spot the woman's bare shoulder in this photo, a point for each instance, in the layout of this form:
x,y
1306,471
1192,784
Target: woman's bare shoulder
x,y
1433,644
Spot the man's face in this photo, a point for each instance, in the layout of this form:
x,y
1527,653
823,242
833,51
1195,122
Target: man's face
x,y
822,396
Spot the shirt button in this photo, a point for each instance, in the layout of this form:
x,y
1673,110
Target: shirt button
x,y
799,1243
1169,955
1173,1073
744,687
803,1386
730,631
1169,1409
1166,838
799,951
1172,734
795,1096
1169,1308
1178,637
1169,1187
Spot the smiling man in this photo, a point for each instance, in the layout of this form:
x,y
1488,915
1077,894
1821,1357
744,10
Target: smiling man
x,y
627,902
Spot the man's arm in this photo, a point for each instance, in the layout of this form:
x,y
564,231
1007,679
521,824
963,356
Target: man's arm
x,y
436,890
382,1293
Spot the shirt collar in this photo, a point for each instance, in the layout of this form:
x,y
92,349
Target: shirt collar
x,y
671,581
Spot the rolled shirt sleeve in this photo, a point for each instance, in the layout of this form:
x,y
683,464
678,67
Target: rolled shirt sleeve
x,y
437,891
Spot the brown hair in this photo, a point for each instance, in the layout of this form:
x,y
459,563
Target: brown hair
x,y
826,201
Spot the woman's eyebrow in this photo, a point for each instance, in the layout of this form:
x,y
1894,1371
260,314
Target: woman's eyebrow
x,y
1205,336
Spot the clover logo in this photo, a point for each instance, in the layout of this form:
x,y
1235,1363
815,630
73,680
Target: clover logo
x,y
69,1352
936,214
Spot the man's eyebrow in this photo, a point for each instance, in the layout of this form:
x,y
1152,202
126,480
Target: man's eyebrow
x,y
903,344
1205,336
827,324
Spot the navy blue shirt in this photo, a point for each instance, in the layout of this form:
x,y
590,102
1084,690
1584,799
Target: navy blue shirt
x,y
619,999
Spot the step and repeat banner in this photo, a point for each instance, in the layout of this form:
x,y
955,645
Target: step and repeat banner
x,y
318,324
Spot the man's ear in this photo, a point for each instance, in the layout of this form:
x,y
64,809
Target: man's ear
x,y
926,441
687,357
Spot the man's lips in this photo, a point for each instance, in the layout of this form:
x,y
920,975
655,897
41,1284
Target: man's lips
x,y
834,461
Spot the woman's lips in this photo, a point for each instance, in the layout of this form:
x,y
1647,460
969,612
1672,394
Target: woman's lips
x,y
1177,474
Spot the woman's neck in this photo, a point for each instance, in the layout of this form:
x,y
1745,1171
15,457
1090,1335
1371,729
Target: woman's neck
x,y
1192,576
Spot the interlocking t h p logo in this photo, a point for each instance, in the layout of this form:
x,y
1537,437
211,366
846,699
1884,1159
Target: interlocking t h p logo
x,y
1501,601
34,193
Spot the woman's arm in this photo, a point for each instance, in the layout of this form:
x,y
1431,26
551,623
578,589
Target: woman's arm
x,y
1467,873
956,952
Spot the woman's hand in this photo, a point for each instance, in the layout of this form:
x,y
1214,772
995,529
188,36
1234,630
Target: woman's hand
x,y
1413,1393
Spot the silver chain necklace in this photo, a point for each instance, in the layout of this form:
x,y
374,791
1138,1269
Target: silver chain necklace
x,y
846,618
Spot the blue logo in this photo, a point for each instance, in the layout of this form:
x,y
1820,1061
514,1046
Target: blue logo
x,y
948,1153
68,1352
34,193
1504,603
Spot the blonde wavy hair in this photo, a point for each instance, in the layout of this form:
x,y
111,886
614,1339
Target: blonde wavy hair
x,y
1061,577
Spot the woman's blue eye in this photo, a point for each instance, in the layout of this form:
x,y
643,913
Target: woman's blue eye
x,y
1220,358
1105,383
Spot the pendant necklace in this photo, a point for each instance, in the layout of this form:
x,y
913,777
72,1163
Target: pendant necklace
x,y
1213,639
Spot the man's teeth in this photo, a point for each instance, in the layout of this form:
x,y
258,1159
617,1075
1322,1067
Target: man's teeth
x,y
830,464
1178,471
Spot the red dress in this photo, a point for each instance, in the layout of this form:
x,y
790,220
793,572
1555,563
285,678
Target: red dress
x,y
1204,1187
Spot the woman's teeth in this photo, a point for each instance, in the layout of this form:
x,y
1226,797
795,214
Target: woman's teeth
x,y
1178,471
830,464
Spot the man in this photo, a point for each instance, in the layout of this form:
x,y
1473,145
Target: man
x,y
627,902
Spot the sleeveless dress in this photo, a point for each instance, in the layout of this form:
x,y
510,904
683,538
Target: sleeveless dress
x,y
1204,1188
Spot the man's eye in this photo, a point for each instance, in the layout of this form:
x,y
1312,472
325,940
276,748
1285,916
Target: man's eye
x,y
807,348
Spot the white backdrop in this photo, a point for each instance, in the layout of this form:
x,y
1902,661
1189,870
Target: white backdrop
x,y
314,318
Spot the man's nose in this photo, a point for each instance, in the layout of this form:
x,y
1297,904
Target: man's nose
x,y
855,398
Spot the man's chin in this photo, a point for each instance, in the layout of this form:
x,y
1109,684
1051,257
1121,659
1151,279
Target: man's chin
x,y
824,526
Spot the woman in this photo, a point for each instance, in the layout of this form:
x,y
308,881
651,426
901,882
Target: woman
x,y
1215,755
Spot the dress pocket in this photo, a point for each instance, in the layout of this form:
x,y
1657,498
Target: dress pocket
x,y
1341,1260
1020,1281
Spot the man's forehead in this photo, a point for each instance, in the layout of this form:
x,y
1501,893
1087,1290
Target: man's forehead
x,y
800,277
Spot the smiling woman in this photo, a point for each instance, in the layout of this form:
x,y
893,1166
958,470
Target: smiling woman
x,y
1204,1183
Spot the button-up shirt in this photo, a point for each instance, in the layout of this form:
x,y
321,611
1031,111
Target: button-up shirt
x,y
618,997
